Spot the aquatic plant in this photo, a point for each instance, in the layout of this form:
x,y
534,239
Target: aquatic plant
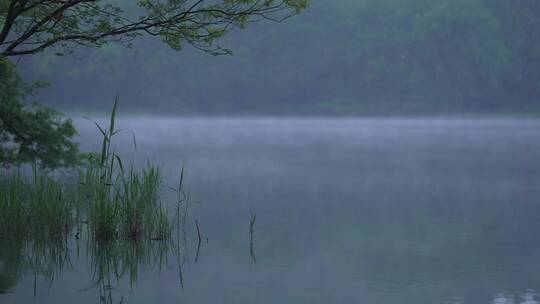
x,y
39,205
127,225
114,202
14,213
122,203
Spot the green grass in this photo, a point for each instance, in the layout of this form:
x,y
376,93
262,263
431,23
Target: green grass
x,y
38,206
123,203
14,211
114,210
117,203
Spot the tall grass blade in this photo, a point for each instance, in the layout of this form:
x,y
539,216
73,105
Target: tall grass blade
x,y
113,116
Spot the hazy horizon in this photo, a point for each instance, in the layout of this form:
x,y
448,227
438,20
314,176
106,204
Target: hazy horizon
x,y
368,57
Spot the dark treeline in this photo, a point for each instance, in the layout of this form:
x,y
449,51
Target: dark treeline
x,y
346,56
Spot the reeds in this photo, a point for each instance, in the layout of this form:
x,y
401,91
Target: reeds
x,y
123,203
127,225
116,202
39,206
14,211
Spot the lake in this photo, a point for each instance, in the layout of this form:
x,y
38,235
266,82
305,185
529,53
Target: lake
x,y
347,211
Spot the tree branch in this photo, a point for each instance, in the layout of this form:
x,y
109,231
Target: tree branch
x,y
35,26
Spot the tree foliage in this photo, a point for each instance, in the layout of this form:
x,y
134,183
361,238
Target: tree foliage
x,y
30,26
31,134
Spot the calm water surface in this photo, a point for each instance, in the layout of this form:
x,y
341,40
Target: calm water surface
x,y
348,211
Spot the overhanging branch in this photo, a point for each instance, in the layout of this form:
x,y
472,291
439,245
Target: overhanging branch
x,y
33,26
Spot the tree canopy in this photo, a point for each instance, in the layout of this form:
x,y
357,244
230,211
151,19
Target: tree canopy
x,y
30,26
31,134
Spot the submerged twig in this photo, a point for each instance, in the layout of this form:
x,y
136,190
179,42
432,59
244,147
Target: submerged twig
x,y
251,247
199,243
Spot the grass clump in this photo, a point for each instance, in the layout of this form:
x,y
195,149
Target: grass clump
x,y
127,226
128,206
37,207
123,203
50,206
116,203
14,212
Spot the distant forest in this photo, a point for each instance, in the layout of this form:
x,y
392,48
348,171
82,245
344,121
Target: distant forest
x,y
337,57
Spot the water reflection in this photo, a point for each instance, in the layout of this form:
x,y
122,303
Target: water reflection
x,y
10,264
115,261
46,258
529,298
347,212
111,263
505,298
199,241
501,298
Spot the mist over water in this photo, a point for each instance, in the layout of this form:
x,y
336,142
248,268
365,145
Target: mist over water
x,y
348,211
361,151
